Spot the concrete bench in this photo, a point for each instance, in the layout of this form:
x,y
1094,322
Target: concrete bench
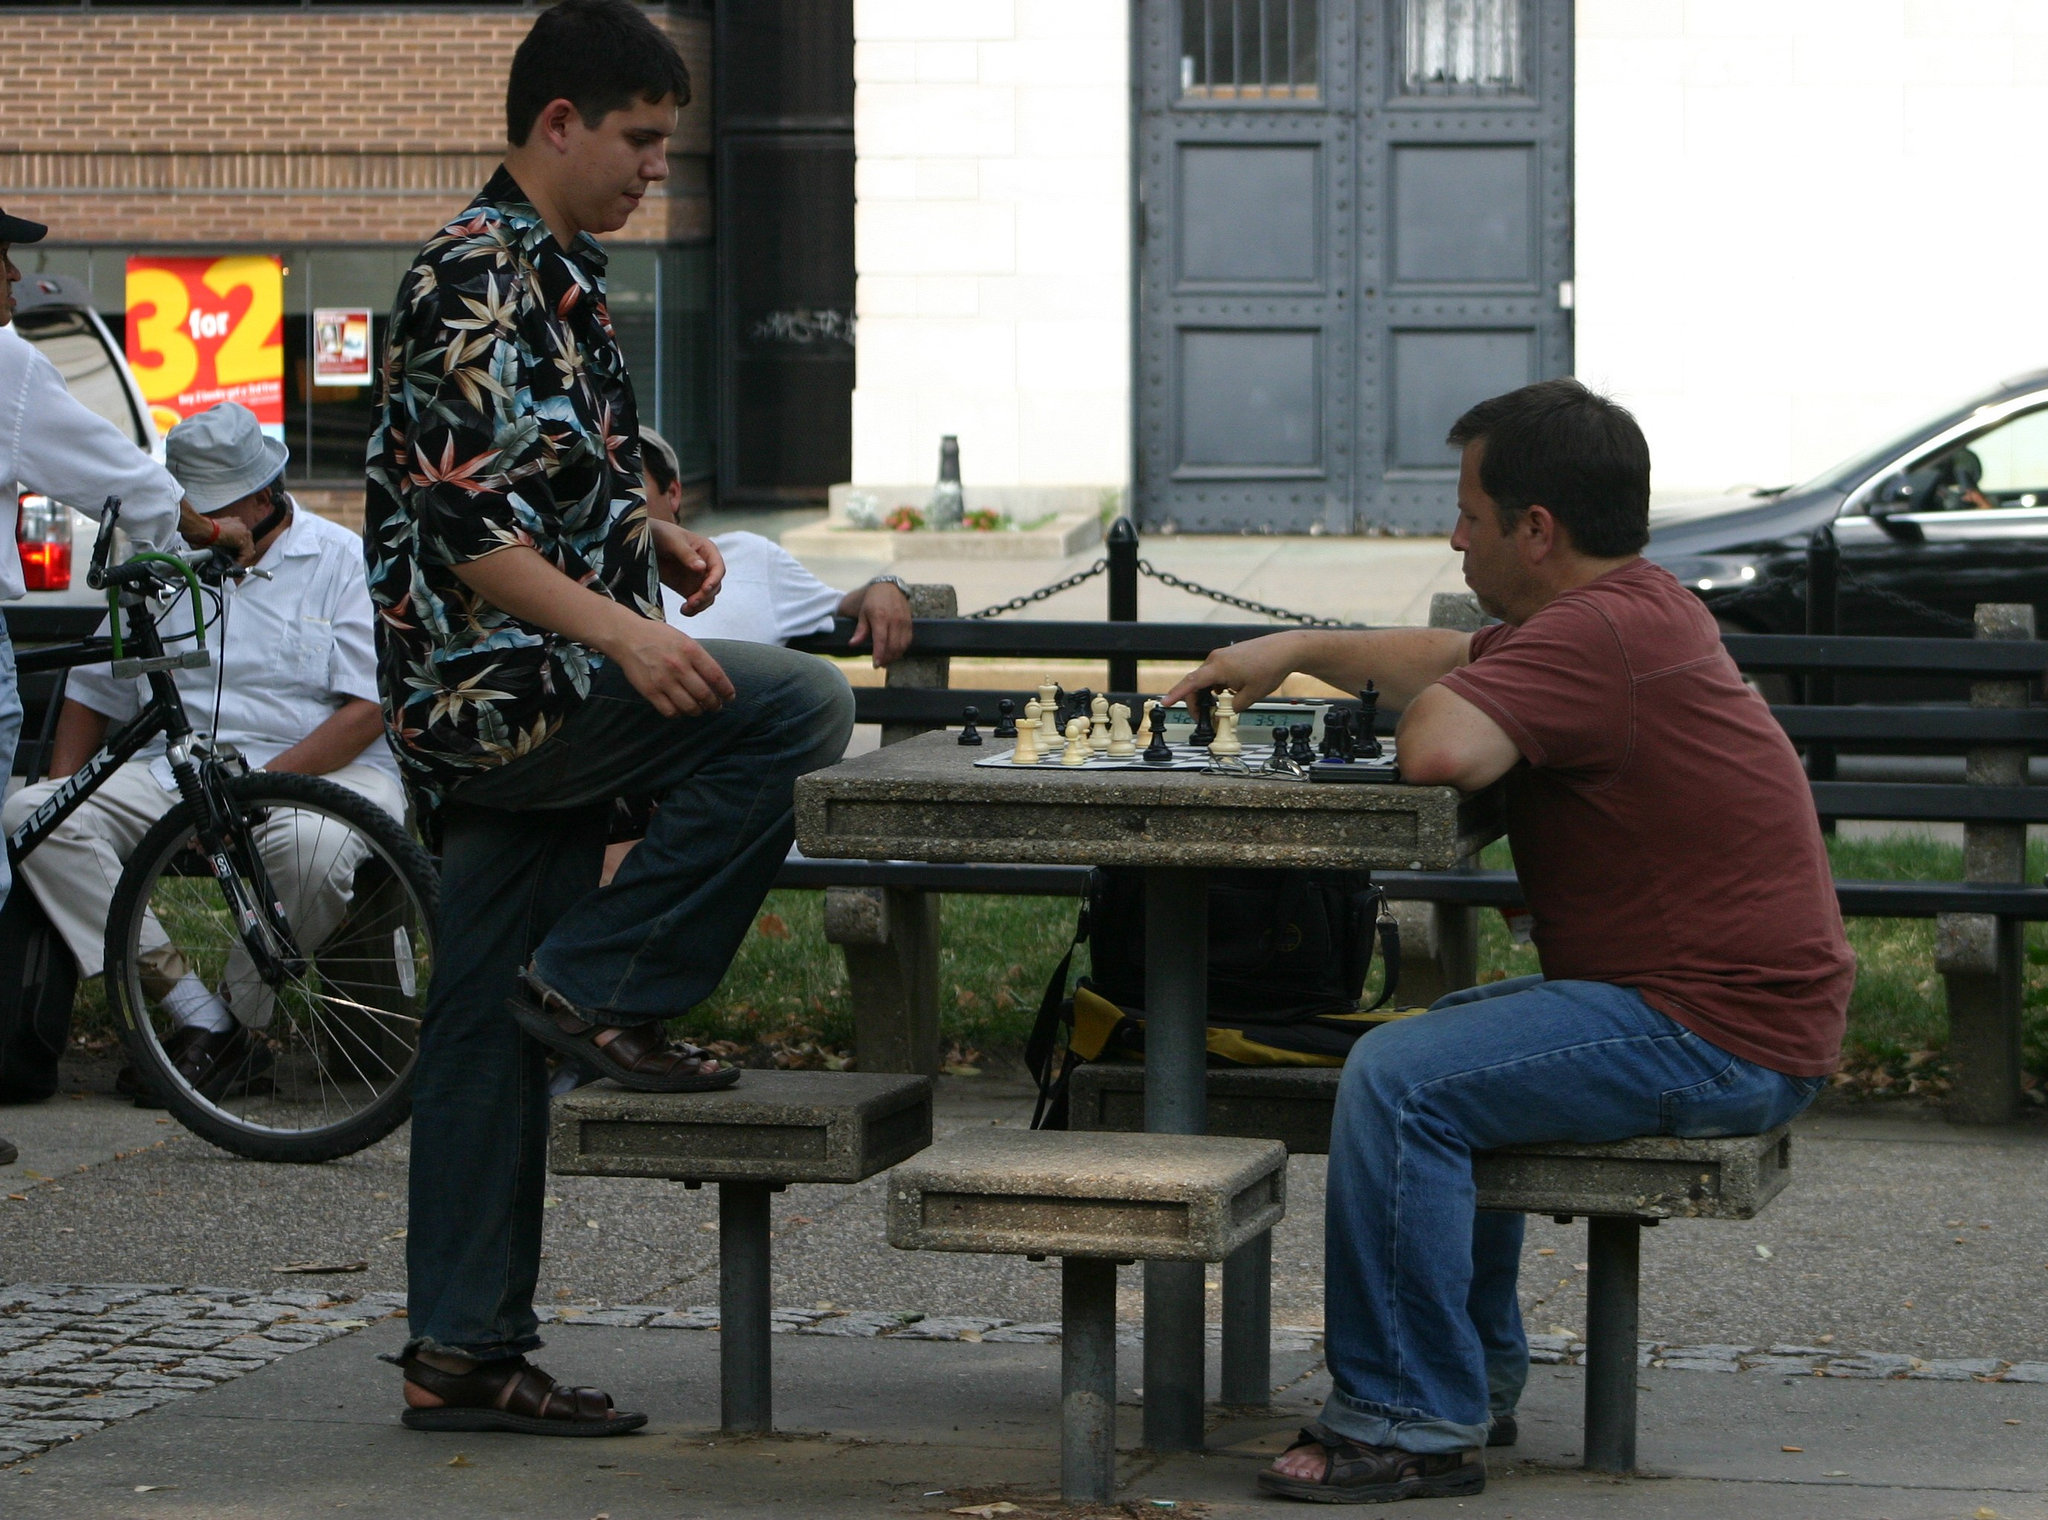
x,y
753,1139
1619,1187
1092,1200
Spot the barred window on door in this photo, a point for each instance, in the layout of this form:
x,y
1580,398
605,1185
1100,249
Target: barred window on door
x,y
1248,50
1461,47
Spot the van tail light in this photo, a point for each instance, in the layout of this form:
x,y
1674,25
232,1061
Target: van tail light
x,y
43,534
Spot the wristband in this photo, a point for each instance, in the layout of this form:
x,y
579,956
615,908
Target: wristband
x,y
213,523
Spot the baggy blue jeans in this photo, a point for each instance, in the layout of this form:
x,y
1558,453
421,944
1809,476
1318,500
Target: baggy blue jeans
x,y
521,850
1423,1330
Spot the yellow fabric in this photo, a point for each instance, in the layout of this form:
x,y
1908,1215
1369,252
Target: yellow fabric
x,y
1096,1018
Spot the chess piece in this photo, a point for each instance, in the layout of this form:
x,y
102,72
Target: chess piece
x,y
1299,750
1278,761
1226,741
1075,704
1006,720
1120,745
969,734
1369,746
1337,742
1077,751
1158,751
1048,715
1026,752
1143,736
1205,720
1098,725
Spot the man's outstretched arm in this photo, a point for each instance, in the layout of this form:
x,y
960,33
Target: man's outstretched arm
x,y
1400,661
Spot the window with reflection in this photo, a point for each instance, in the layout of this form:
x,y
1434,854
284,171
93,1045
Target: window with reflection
x,y
1249,50
1461,47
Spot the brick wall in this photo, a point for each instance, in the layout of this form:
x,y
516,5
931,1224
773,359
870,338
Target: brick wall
x,y
309,126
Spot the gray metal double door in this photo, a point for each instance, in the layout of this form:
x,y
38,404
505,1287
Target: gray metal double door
x,y
1353,221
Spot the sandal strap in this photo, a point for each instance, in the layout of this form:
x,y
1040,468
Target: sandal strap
x,y
646,1048
514,1386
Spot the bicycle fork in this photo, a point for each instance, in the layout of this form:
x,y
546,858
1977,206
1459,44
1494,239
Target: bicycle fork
x,y
260,918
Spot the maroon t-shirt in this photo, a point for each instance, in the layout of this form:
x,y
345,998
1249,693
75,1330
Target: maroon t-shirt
x,y
1662,826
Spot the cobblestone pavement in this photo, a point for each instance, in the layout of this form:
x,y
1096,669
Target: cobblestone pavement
x,y
75,1357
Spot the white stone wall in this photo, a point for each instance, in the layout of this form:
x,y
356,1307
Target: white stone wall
x,y
1803,223
992,240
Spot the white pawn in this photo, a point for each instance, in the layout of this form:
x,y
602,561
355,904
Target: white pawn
x,y
1048,716
1076,752
1098,725
1143,736
1120,745
1026,752
1226,741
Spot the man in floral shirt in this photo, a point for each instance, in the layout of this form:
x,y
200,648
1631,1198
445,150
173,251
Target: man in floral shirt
x,y
528,678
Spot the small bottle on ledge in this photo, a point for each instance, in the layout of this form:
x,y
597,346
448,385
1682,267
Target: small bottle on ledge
x,y
948,503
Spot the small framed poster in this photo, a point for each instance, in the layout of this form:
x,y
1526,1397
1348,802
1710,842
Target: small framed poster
x,y
341,345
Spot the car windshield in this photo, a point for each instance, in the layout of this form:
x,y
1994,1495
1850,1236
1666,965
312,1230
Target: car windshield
x,y
1852,472
90,369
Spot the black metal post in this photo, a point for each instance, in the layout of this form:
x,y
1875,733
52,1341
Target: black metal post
x,y
1823,616
1614,1254
1087,1380
1248,1323
1176,1103
746,1379
1123,598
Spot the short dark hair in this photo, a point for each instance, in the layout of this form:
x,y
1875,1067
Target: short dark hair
x,y
599,55
1571,450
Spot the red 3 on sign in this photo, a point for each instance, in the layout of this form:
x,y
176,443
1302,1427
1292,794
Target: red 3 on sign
x,y
204,331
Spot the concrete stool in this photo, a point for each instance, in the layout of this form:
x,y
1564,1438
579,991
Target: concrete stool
x,y
1621,1187
755,1138
1092,1200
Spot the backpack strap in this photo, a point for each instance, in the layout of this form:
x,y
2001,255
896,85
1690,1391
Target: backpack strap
x,y
1389,930
1053,1011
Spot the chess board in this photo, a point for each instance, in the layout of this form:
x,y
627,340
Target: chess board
x,y
1186,757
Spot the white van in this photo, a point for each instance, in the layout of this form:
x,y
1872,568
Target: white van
x,y
55,313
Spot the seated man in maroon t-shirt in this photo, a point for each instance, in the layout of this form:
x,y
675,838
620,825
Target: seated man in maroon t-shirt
x,y
1695,975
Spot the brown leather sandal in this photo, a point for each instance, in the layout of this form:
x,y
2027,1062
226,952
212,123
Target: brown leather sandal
x,y
512,1395
639,1056
1355,1473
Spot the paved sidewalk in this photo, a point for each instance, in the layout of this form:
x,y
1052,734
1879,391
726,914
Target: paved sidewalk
x,y
896,1428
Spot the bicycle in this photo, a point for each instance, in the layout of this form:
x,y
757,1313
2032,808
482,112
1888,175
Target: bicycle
x,y
307,906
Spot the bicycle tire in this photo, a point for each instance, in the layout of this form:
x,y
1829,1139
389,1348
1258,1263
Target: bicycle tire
x,y
391,850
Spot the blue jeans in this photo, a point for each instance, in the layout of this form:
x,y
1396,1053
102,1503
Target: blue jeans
x,y
1424,1333
522,848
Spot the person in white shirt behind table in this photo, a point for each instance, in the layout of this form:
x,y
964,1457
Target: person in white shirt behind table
x,y
293,687
768,597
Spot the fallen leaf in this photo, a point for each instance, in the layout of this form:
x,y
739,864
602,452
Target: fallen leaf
x,y
986,1511
459,1460
1765,1252
1986,1512
1566,1331
1791,1448
772,926
1582,1266
1546,1251
959,1070
152,1488
551,1203
19,1197
1824,1340
2012,1422
396,1235
1836,1473
315,1268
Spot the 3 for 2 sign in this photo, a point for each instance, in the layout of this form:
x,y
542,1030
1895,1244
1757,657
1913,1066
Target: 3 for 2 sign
x,y
204,331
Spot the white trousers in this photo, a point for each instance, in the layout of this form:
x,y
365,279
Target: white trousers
x,y
73,873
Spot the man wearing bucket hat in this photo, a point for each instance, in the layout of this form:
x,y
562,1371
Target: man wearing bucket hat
x,y
294,689
52,443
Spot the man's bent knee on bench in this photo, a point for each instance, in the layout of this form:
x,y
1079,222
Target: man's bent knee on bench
x,y
1682,905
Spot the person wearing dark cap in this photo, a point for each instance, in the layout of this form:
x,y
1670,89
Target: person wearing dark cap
x,y
53,444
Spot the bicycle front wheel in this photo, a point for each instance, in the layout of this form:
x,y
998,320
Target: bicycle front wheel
x,y
320,1062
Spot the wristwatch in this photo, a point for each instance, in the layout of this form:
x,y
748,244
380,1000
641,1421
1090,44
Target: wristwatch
x,y
892,580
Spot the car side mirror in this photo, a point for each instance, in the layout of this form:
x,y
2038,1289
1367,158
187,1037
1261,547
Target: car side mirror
x,y
1891,500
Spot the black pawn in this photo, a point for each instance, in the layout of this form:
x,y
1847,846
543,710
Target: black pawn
x,y
968,733
1278,760
1336,725
1299,750
1368,714
1006,720
1205,720
1158,751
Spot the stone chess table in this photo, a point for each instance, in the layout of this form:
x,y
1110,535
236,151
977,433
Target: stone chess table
x,y
926,799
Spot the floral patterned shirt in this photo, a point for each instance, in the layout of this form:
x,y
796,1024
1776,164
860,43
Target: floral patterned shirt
x,y
505,417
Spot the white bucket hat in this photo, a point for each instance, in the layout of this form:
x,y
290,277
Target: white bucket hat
x,y
220,455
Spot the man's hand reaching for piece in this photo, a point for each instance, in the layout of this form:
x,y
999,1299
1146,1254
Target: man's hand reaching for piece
x,y
1253,670
690,565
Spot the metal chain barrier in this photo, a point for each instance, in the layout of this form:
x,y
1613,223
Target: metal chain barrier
x,y
1243,604
1796,589
1019,603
